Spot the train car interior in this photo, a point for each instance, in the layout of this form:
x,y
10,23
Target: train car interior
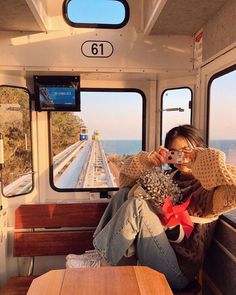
x,y
85,84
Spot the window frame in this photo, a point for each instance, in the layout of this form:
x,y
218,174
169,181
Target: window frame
x,y
106,189
95,25
31,142
213,77
228,217
162,97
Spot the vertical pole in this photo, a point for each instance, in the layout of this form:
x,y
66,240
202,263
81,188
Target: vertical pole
x,y
1,152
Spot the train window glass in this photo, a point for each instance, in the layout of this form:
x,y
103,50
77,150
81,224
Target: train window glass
x,y
175,109
222,105
96,13
15,132
89,147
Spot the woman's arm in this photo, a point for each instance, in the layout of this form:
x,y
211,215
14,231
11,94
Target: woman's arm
x,y
137,164
210,169
133,167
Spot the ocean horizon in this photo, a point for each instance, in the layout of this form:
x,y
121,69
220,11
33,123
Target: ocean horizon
x,y
121,147
129,147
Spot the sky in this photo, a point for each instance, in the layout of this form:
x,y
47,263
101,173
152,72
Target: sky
x,y
116,115
96,11
123,120
223,107
175,98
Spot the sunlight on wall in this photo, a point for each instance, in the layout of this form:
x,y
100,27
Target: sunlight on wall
x,y
42,37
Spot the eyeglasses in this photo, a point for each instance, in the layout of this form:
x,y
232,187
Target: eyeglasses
x,y
186,149
183,149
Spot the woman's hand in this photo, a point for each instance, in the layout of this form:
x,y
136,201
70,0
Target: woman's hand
x,y
158,157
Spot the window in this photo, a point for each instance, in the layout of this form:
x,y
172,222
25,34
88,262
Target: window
x,y
15,132
89,147
176,109
96,13
221,120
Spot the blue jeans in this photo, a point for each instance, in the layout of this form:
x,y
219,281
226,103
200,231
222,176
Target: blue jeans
x,y
134,222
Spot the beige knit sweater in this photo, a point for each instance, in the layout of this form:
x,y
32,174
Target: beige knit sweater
x,y
213,189
209,168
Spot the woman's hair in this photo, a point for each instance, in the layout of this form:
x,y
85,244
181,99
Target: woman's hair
x,y
189,132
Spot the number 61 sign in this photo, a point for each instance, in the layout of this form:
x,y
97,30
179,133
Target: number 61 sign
x,y
97,49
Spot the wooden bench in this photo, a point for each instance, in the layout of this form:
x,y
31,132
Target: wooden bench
x,y
56,229
51,229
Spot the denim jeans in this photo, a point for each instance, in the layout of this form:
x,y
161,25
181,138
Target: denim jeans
x,y
134,222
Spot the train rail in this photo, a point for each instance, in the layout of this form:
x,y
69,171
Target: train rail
x,y
81,165
97,172
89,168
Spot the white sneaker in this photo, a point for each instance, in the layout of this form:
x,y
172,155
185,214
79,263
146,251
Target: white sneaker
x,y
90,258
93,254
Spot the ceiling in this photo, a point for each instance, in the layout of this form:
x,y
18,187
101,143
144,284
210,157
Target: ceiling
x,y
183,17
16,15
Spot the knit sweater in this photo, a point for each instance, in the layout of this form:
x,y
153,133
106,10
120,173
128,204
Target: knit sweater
x,y
209,168
212,185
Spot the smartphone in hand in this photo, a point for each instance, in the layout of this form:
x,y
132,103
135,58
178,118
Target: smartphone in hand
x,y
175,157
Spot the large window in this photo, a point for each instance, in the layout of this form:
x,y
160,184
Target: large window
x,y
89,147
175,108
222,120
96,13
15,139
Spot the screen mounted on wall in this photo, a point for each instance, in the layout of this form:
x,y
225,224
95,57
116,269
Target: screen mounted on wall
x,y
57,93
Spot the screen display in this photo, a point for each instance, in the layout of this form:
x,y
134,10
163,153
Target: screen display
x,y
57,93
49,97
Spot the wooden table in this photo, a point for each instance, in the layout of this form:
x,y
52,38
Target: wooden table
x,y
115,280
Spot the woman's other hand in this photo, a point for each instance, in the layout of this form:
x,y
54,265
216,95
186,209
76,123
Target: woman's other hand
x,y
158,157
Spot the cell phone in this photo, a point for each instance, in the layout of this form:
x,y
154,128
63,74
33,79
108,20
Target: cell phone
x,y
175,157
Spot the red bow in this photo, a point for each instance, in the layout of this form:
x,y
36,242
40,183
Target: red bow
x,y
174,215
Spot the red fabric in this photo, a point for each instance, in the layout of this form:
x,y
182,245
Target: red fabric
x,y
198,38
175,215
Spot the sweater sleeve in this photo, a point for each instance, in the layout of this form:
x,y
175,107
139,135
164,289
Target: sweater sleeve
x,y
132,169
211,170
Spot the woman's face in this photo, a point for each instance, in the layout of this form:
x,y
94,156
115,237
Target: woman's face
x,y
180,143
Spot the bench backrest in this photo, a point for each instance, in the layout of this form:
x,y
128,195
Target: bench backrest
x,y
55,229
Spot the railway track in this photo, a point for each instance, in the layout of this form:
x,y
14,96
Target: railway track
x,y
89,169
81,165
97,172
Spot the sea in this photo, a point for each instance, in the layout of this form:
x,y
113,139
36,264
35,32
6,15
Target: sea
x,y
122,147
129,147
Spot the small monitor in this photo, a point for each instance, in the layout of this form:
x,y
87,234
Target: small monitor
x,y
57,93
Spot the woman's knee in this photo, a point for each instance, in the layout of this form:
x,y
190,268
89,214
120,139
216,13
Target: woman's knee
x,y
118,200
138,206
123,192
141,204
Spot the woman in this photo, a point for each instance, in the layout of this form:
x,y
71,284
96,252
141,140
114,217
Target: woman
x,y
133,225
